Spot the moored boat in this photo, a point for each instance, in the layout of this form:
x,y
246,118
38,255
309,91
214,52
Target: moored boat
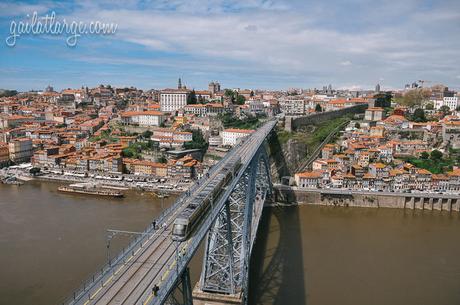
x,y
84,189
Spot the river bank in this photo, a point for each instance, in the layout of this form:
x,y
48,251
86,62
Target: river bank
x,y
345,198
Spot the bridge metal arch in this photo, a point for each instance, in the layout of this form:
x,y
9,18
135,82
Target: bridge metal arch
x,y
229,241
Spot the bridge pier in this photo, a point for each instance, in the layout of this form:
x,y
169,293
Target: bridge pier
x,y
201,297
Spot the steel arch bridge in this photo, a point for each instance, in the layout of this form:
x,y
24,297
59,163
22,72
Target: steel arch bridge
x,y
153,268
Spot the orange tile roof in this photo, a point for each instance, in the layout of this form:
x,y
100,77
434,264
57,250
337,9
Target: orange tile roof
x,y
310,174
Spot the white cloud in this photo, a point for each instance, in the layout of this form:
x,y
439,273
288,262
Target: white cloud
x,y
295,39
14,9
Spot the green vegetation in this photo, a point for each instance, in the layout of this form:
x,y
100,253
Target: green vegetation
x,y
434,166
134,150
429,106
191,99
445,110
383,99
414,97
433,162
147,134
436,155
316,136
229,121
318,108
235,97
7,93
424,155
198,141
122,104
418,116
105,135
323,130
213,157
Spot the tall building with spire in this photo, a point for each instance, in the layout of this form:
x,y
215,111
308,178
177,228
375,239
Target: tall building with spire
x,y
377,88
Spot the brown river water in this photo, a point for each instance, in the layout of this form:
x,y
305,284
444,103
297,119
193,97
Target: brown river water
x,y
51,242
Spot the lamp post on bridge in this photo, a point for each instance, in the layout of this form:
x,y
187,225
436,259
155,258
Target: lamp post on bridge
x,y
111,233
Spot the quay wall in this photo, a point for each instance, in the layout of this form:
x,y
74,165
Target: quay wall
x,y
402,201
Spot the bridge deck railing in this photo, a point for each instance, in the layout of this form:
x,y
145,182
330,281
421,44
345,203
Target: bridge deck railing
x,y
97,279
201,232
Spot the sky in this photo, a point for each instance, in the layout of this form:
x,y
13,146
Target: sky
x,y
264,44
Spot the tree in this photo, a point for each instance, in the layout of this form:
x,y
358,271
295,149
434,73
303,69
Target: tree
x,y
429,106
445,110
34,170
240,99
383,99
192,98
318,108
419,115
7,93
415,97
147,134
228,92
121,104
357,125
127,153
436,155
424,155
457,109
198,141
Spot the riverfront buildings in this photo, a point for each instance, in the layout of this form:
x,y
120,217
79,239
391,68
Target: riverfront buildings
x,y
163,133
390,151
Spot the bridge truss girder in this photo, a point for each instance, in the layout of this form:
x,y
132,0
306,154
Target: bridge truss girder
x,y
230,239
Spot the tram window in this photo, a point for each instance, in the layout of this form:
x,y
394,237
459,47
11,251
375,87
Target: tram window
x,y
179,230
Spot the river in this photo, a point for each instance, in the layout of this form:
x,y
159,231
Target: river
x,y
50,242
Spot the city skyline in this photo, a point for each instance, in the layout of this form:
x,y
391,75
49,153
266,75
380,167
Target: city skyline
x,y
255,44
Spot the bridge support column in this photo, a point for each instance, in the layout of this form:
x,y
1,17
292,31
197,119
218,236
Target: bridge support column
x,y
224,277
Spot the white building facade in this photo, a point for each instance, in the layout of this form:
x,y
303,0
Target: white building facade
x,y
451,102
173,100
230,137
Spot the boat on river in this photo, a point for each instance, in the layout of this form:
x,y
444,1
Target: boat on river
x,y
82,188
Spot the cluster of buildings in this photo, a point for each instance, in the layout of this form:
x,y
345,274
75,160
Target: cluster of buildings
x,y
442,96
371,154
